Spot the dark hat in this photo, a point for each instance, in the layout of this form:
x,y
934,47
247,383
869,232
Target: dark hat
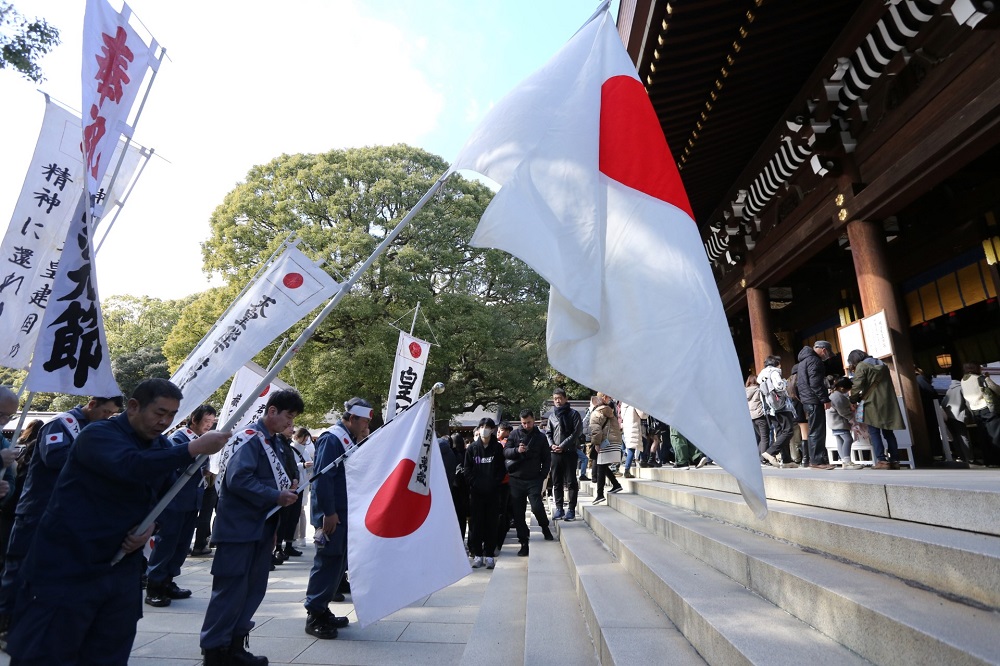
x,y
823,344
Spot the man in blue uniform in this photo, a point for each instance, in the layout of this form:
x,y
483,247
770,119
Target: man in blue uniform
x,y
176,523
329,516
252,481
52,448
72,606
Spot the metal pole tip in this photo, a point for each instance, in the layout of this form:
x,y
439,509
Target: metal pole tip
x,y
438,388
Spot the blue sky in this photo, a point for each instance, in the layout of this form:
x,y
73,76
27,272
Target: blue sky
x,y
247,81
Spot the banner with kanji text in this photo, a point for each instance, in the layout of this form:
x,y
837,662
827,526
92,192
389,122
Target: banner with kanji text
x,y
407,374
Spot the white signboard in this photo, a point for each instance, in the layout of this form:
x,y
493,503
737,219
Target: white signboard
x,y
878,338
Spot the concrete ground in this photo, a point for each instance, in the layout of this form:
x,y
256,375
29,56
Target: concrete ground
x,y
433,631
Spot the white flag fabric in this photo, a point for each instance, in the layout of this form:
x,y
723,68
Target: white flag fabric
x,y
244,381
403,541
71,355
287,291
115,61
407,373
38,227
592,200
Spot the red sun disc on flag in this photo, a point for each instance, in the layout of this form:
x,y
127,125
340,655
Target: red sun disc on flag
x,y
415,350
293,280
267,389
396,511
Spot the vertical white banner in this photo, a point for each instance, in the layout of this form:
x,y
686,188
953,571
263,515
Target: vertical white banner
x,y
71,355
31,247
290,288
407,374
115,60
244,381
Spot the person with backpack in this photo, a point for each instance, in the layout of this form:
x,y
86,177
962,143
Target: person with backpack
x,y
758,418
777,407
982,394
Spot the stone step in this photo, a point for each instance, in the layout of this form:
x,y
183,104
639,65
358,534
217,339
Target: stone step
x,y
498,635
724,621
555,628
879,617
956,563
957,499
626,625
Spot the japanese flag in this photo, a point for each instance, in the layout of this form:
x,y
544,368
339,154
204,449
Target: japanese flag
x,y
298,278
403,541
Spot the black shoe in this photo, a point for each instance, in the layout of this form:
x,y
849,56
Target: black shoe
x,y
157,596
338,597
201,551
175,592
524,550
291,551
280,555
547,533
216,657
584,477
239,655
317,625
616,489
275,560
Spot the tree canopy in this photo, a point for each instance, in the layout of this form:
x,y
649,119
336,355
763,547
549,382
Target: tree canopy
x,y
23,42
486,309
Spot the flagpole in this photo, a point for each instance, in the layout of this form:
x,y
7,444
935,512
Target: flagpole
x,y
436,389
121,204
291,351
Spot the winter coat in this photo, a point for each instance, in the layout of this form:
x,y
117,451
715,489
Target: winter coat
x,y
769,379
754,402
484,466
840,416
535,462
881,406
560,436
604,426
811,384
632,426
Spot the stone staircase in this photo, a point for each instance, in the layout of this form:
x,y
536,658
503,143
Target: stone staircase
x,y
898,567
894,567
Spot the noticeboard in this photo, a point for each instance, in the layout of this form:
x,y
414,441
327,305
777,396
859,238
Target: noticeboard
x,y
870,335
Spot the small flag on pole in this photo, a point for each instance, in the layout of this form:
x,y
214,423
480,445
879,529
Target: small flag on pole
x,y
403,541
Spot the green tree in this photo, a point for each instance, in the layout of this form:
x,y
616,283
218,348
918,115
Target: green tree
x,y
23,42
486,309
137,328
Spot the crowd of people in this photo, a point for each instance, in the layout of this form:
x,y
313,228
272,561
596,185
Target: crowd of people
x,y
791,414
75,491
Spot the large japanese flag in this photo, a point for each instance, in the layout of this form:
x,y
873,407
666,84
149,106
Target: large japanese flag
x,y
403,541
591,199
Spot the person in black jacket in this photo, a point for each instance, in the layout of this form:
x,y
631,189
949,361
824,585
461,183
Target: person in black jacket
x,y
484,470
528,460
811,385
565,429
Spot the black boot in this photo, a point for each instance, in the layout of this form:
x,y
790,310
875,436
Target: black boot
x,y
291,550
156,595
524,549
175,592
547,533
240,656
320,625
217,657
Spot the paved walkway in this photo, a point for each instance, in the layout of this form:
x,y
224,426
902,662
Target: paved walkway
x,y
433,631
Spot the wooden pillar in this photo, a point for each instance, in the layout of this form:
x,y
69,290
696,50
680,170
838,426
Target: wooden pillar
x,y
868,247
759,307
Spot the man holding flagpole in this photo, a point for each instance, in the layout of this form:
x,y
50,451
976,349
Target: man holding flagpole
x,y
73,605
252,481
329,516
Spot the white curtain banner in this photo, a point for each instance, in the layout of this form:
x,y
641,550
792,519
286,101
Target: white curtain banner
x,y
407,373
244,381
72,352
115,61
38,227
291,287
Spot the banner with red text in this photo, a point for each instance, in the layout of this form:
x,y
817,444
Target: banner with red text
x,y
115,60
